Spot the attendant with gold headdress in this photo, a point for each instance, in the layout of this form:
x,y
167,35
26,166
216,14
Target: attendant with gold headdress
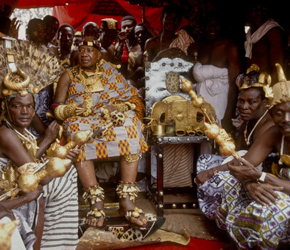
x,y
20,153
252,101
255,205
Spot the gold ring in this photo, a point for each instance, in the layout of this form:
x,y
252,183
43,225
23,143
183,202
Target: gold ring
x,y
144,220
94,220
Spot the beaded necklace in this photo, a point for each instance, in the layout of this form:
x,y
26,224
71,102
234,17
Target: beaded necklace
x,y
247,139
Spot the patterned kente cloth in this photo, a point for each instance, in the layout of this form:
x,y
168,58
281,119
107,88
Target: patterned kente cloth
x,y
119,141
249,223
210,193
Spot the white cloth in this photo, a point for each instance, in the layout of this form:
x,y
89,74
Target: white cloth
x,y
213,85
257,35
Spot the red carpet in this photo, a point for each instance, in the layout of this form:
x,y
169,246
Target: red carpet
x,y
194,244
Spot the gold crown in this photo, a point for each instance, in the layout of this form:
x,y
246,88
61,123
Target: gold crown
x,y
264,81
281,89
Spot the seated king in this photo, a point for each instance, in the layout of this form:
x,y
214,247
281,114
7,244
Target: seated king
x,y
94,96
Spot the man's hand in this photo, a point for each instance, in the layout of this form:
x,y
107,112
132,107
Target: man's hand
x,y
122,35
14,28
262,193
203,176
73,155
52,131
246,171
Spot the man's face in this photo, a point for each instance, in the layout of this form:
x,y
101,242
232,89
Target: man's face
x,y
141,34
250,104
258,14
171,21
38,34
128,27
88,56
51,30
91,31
66,37
21,110
281,116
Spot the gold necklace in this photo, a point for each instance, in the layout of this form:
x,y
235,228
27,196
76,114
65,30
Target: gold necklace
x,y
91,81
28,140
247,139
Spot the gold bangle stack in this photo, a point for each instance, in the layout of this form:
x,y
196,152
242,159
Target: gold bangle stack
x,y
63,112
94,194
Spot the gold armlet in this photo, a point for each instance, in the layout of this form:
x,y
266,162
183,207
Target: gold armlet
x,y
63,112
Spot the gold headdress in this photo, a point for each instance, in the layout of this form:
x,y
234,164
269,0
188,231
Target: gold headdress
x,y
253,78
109,23
281,89
26,67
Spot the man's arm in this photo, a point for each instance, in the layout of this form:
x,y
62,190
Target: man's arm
x,y
12,148
276,42
62,88
234,69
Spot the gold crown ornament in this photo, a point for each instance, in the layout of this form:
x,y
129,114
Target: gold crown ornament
x,y
26,67
281,89
249,80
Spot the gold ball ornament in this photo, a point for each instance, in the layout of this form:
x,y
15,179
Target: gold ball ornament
x,y
23,92
227,148
56,167
211,130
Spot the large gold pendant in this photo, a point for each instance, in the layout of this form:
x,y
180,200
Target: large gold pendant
x,y
92,82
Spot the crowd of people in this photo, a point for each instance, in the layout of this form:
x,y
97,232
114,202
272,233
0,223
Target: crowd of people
x,y
101,88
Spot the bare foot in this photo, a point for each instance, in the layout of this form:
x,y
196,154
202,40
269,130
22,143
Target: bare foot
x,y
91,220
126,205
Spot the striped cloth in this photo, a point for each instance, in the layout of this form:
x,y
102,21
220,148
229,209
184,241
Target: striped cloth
x,y
60,230
182,41
178,165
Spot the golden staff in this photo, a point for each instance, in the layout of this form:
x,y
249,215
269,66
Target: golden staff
x,y
213,130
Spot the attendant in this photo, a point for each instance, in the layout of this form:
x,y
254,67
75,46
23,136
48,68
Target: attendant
x,y
19,147
52,25
170,18
65,35
142,35
219,64
108,38
127,50
255,205
36,33
252,105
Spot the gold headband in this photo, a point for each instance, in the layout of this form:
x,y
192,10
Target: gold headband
x,y
281,89
111,23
